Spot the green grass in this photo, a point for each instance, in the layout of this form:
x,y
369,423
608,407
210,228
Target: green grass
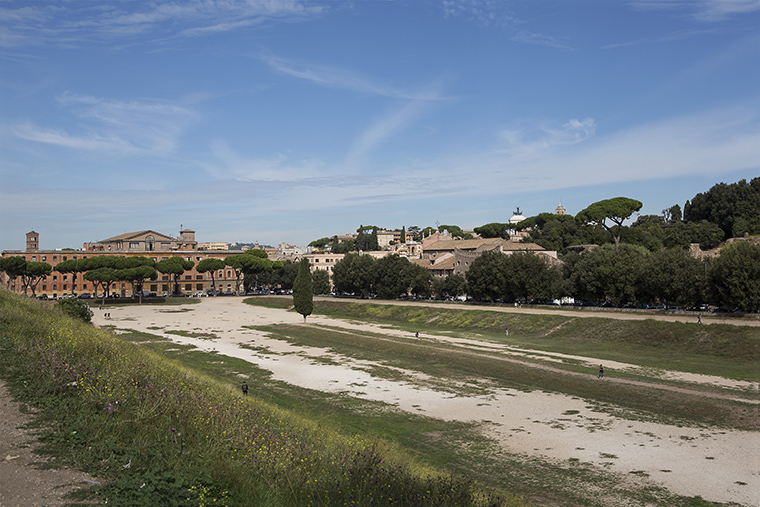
x,y
716,349
282,445
454,446
160,432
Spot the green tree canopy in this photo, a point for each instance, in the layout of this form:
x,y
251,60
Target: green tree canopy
x,y
136,270
210,265
609,274
354,274
176,267
13,267
734,277
33,273
735,207
671,276
320,279
455,231
72,267
366,239
494,230
303,291
102,277
617,210
320,243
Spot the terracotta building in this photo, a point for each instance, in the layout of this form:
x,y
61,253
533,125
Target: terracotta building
x,y
148,243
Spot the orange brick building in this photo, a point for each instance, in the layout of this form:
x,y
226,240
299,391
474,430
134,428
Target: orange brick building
x,y
148,243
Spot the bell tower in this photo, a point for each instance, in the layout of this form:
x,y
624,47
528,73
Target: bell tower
x,y
32,241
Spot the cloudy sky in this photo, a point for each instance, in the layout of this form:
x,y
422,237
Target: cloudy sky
x,y
290,120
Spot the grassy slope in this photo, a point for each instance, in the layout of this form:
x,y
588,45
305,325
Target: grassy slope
x,y
160,432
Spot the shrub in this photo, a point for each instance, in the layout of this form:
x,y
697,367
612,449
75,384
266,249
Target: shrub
x,y
75,308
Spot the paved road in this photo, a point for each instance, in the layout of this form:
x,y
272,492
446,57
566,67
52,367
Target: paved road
x,y
688,317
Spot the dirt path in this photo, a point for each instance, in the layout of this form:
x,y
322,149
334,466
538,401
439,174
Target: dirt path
x,y
21,484
716,464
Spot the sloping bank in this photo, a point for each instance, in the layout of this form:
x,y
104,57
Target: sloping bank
x,y
158,433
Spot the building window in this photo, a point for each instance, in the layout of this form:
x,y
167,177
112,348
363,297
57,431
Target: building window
x,y
150,243
134,245
188,277
199,277
44,258
165,246
153,287
34,258
188,286
199,286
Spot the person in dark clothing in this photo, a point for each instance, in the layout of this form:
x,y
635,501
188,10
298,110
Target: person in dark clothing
x,y
601,371
245,388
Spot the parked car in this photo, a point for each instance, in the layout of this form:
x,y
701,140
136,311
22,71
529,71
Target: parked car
x,y
85,295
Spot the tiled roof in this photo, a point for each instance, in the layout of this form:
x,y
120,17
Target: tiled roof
x,y
482,244
130,235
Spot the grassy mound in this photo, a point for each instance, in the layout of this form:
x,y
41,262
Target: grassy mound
x,y
159,433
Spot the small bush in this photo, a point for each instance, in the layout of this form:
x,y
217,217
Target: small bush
x,y
75,308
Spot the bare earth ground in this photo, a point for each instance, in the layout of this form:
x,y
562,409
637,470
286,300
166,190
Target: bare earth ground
x,y
718,465
21,483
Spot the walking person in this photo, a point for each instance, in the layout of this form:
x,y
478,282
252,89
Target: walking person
x,y
601,371
245,389
699,318
507,331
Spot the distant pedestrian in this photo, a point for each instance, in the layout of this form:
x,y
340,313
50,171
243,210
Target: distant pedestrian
x,y
699,318
245,388
601,371
417,334
507,331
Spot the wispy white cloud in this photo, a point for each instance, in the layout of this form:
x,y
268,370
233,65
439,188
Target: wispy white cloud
x,y
225,164
702,10
88,142
539,39
707,143
668,37
538,141
338,77
133,127
484,12
52,22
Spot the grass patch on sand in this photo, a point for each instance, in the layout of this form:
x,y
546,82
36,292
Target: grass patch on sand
x,y
160,432
730,351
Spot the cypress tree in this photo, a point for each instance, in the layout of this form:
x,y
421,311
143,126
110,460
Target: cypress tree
x,y
303,292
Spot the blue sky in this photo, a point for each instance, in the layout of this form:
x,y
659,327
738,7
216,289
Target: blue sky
x,y
287,120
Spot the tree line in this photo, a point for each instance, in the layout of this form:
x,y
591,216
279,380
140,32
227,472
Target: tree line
x,y
103,270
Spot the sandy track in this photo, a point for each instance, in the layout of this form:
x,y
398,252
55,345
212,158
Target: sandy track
x,y
718,465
